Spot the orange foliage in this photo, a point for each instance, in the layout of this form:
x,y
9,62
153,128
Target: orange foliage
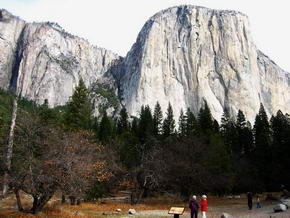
x,y
127,184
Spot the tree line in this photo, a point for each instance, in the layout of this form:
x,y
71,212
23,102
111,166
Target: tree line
x,y
68,149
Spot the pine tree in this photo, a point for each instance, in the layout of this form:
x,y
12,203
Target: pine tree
x,y
229,133
244,132
169,122
129,150
224,123
46,114
218,164
123,123
241,120
182,124
262,150
145,127
205,119
134,127
79,109
262,131
280,147
191,124
105,129
157,120
216,126
279,127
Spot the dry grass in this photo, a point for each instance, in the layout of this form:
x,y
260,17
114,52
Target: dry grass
x,y
155,207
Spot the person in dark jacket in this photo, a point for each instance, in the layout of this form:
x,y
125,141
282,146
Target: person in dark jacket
x,y
194,206
250,200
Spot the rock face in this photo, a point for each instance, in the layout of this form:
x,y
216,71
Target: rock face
x,y
279,208
10,31
45,62
188,55
184,55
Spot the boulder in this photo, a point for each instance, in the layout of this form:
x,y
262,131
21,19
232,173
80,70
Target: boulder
x,y
226,215
279,208
132,211
286,202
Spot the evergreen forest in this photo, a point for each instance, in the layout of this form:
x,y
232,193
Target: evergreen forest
x,y
66,149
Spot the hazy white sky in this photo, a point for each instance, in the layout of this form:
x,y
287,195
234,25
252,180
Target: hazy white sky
x,y
114,24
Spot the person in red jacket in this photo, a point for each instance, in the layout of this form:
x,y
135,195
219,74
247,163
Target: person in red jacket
x,y
203,206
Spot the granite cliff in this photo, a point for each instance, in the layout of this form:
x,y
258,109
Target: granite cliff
x,y
188,55
184,55
41,61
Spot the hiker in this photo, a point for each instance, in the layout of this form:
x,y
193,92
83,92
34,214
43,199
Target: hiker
x,y
258,202
250,200
203,205
194,206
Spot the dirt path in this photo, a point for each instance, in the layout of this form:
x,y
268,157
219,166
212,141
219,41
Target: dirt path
x,y
236,207
216,212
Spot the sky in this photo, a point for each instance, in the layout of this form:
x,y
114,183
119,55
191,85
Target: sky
x,y
115,24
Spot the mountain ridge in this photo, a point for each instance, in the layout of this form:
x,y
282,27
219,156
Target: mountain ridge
x,y
46,62
188,43
186,55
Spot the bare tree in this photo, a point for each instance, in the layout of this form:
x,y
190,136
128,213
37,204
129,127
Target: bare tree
x,y
150,174
48,159
80,162
9,150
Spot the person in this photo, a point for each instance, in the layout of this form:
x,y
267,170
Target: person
x,y
250,200
203,205
258,202
194,206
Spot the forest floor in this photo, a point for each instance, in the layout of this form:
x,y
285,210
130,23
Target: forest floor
x,y
150,208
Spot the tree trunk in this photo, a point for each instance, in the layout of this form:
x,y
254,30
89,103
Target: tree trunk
x,y
34,205
133,197
18,200
140,196
39,202
72,200
63,198
10,148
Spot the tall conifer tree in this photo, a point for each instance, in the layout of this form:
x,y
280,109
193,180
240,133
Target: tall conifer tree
x,y
105,129
244,132
280,126
169,122
145,127
262,150
262,131
205,118
123,123
182,124
191,124
46,114
229,133
79,109
157,120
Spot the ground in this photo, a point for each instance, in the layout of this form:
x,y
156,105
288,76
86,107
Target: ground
x,y
151,208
